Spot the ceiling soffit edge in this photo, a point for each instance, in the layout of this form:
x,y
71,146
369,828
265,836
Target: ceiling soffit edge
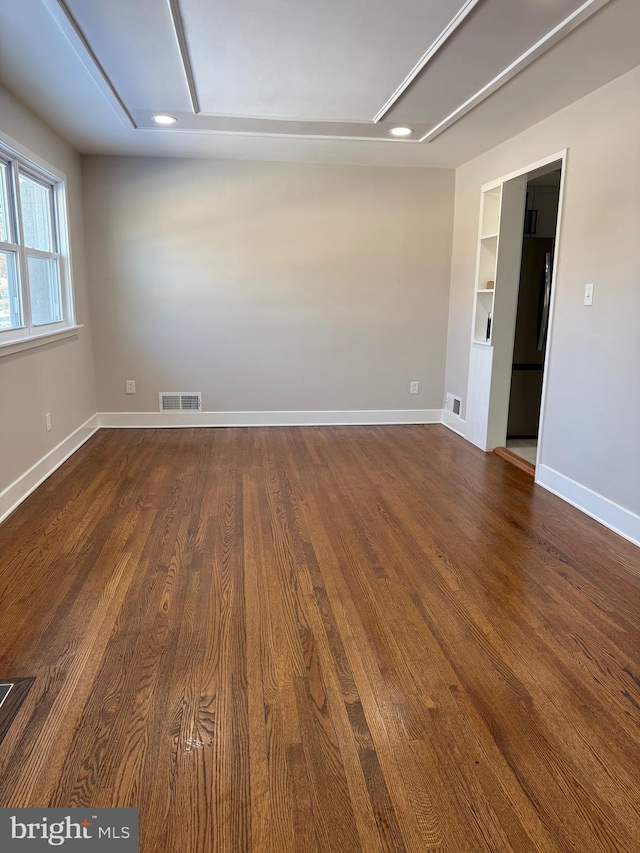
x,y
61,14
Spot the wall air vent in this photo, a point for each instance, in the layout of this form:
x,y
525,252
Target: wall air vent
x,y
453,404
180,401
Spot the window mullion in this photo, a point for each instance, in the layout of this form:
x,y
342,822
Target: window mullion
x,y
54,222
23,272
40,253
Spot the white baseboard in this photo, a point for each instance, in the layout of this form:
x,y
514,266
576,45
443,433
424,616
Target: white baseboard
x,y
21,488
454,422
244,419
615,517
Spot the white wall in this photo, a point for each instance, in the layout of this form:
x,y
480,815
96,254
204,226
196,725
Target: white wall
x,y
268,287
58,377
592,426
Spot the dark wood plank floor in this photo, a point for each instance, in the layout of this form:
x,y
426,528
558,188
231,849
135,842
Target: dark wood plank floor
x,y
322,639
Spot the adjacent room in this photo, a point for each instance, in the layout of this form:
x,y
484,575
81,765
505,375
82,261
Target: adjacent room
x,y
320,425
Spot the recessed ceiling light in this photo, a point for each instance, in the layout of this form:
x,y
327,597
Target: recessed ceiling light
x,y
166,120
401,131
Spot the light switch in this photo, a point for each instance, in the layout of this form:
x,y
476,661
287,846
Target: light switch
x,y
588,294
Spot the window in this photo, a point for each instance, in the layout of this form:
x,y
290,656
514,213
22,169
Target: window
x,y
35,286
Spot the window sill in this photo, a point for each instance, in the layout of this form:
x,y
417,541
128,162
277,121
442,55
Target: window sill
x,y
12,347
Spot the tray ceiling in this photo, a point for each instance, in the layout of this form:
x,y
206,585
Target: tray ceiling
x,y
338,70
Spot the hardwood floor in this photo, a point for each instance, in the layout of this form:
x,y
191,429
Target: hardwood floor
x,y
322,639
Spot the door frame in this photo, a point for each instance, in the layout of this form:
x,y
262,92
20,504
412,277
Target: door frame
x,y
537,166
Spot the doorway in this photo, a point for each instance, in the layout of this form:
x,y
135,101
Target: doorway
x,y
513,208
532,313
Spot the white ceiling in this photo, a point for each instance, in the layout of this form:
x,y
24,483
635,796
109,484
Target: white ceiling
x,y
334,59
306,81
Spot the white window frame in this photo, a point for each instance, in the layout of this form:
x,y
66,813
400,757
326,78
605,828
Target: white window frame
x,y
29,335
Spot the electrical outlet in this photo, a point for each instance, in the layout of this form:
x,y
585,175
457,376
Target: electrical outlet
x,y
47,421
131,386
414,388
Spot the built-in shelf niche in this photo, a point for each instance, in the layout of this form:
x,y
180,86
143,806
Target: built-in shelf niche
x,y
497,274
487,263
490,216
484,309
486,266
